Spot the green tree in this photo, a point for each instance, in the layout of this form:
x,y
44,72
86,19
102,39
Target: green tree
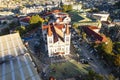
x,y
64,8
94,10
117,46
105,51
75,25
117,60
117,5
94,76
107,47
84,36
21,30
12,25
36,20
67,7
111,77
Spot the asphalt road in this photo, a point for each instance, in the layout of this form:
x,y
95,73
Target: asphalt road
x,y
96,64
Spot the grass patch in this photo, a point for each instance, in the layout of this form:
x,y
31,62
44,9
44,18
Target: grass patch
x,y
68,69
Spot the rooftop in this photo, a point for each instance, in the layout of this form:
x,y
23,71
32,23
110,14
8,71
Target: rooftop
x,y
95,36
15,62
57,31
25,19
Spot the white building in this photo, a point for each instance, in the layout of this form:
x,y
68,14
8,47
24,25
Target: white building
x,y
77,7
6,13
101,17
56,33
62,18
32,10
58,17
57,37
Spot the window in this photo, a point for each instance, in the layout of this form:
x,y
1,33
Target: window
x,y
55,51
67,49
59,48
50,40
67,38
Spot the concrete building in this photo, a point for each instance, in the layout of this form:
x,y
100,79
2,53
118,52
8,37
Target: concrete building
x,y
58,17
101,17
77,6
93,33
57,38
6,13
56,33
15,61
32,10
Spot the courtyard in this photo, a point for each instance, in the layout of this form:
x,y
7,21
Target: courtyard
x,y
67,69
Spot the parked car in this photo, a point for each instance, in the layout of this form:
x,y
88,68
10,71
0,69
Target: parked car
x,y
90,59
83,61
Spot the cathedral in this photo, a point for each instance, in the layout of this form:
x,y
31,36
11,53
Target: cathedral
x,y
56,33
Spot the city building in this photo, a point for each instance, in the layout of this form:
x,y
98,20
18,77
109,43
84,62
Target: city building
x,y
15,61
6,13
5,21
58,17
107,24
93,33
77,6
67,2
32,10
24,21
101,16
56,33
57,38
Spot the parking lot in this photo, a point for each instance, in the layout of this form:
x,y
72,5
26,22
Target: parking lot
x,y
88,54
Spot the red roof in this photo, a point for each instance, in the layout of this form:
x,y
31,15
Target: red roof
x,y
54,11
97,36
26,19
67,30
60,26
62,14
49,31
48,13
93,27
56,31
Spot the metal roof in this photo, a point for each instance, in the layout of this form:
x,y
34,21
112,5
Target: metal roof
x,y
15,62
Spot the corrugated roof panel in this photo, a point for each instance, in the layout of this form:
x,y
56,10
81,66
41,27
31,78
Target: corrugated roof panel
x,y
14,64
